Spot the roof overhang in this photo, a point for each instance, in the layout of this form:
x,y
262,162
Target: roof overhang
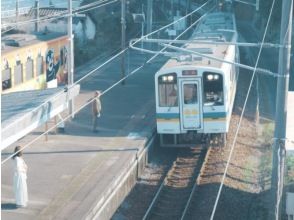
x,y
24,111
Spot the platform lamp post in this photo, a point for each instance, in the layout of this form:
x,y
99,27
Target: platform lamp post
x,y
16,12
279,151
123,39
37,12
140,19
70,71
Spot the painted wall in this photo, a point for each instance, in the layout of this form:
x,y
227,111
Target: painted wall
x,y
54,56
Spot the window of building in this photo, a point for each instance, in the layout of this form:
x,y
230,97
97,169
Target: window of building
x,y
29,69
6,78
168,90
213,89
39,65
18,78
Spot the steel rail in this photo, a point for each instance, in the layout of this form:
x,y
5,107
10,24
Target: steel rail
x,y
148,212
191,189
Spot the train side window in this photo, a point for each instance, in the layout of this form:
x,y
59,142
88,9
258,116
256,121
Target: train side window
x,y
6,78
39,65
18,78
29,69
168,90
213,89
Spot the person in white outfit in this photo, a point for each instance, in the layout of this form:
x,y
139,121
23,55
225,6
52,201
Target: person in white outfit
x,y
20,179
96,109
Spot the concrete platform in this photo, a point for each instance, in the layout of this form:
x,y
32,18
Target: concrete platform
x,y
86,175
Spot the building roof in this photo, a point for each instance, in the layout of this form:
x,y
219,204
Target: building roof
x,y
47,11
12,42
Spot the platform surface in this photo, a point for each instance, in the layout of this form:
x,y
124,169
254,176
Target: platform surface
x,y
70,171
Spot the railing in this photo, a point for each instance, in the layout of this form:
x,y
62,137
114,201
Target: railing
x,y
12,13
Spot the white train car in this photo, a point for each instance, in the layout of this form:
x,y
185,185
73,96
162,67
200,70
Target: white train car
x,y
194,94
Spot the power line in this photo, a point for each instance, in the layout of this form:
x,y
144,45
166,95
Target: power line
x,y
91,72
89,101
176,21
64,14
241,117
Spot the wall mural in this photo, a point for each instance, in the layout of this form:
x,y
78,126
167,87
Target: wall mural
x,y
51,67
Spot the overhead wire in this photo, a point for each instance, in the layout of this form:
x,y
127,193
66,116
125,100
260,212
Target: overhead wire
x,y
64,14
241,117
89,101
100,66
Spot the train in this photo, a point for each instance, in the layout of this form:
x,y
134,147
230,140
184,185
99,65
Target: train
x,y
194,93
33,61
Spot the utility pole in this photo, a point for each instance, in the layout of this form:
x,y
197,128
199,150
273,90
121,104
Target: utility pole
x,y
37,13
123,37
149,16
16,12
257,5
278,159
70,71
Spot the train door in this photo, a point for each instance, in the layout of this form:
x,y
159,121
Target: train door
x,y
190,107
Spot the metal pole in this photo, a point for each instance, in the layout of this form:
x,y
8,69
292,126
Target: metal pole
x,y
257,5
142,26
123,37
37,12
172,9
71,56
257,103
16,12
149,16
278,159
142,33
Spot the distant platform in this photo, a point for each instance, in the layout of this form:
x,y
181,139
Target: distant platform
x,y
290,124
22,112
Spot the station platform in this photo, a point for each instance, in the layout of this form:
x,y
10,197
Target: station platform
x,y
79,174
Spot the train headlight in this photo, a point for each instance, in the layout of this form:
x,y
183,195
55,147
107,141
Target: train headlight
x,y
164,78
170,78
216,77
210,77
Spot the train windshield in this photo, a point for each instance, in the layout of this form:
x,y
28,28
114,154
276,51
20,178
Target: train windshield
x,y
168,90
213,89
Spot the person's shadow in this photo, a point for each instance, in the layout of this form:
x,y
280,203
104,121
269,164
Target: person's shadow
x,y
8,206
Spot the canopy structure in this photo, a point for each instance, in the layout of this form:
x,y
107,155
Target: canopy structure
x,y
22,112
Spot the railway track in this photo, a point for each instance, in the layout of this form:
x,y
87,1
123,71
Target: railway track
x,y
176,191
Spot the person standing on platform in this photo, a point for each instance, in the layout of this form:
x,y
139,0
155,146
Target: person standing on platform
x,y
96,109
20,179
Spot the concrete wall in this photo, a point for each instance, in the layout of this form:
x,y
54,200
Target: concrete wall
x,y
105,209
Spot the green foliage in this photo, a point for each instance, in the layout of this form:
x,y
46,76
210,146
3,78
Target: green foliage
x,y
268,132
290,169
275,20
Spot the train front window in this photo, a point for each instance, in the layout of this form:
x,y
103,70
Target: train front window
x,y
168,90
190,93
213,89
